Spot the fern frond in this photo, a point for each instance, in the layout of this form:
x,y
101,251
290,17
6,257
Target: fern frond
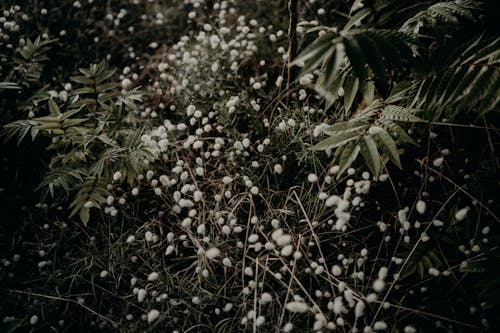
x,y
374,132
471,79
449,13
65,178
20,129
370,52
92,193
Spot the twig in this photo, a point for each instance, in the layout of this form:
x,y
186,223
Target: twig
x,y
64,300
292,41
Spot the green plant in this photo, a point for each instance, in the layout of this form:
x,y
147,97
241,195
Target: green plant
x,y
88,144
431,64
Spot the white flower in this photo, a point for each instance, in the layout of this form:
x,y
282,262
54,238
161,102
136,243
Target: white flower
x,y
378,285
283,240
461,214
306,79
169,250
278,169
248,271
153,276
410,329
141,294
379,326
359,309
312,178
287,251
288,327
253,238
382,273
421,207
299,307
153,315
117,176
212,253
336,270
260,320
438,162
34,320
126,83
265,298
227,262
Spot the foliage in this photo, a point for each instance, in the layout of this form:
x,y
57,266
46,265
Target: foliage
x,y
466,80
205,204
87,143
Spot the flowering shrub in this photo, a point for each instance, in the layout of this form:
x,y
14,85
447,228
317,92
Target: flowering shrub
x,y
212,213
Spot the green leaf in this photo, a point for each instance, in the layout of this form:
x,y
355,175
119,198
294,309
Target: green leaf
x,y
85,215
104,76
69,113
373,56
84,90
337,140
82,79
420,269
53,108
354,124
356,57
389,147
84,101
9,85
348,156
107,86
368,91
316,49
398,113
350,90
357,18
371,155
